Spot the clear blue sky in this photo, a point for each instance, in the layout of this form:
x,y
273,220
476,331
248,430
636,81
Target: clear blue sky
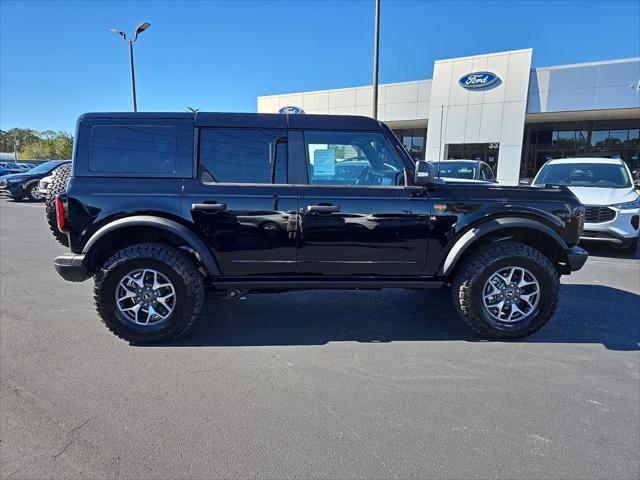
x,y
59,59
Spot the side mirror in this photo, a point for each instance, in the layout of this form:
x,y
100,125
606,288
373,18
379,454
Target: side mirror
x,y
525,181
426,174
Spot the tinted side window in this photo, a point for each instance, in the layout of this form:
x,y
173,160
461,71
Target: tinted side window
x,y
352,158
132,149
235,155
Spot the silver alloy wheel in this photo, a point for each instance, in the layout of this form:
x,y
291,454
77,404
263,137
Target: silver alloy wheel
x,y
145,296
35,192
511,294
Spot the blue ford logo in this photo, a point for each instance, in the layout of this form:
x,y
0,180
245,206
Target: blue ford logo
x,y
291,109
475,80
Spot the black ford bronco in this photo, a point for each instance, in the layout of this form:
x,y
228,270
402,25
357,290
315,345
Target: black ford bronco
x,y
161,206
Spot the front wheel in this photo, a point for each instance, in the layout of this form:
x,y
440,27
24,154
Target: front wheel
x,y
149,292
33,192
506,290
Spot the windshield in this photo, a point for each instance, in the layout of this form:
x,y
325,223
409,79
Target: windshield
x,y
457,169
44,167
599,175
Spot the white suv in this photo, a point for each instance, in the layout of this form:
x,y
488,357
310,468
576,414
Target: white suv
x,y
605,188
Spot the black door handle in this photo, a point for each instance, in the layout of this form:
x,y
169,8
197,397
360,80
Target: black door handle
x,y
209,207
323,208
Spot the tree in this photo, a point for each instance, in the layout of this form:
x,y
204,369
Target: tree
x,y
45,145
16,136
36,151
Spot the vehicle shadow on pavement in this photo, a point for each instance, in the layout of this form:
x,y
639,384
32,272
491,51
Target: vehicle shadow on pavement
x,y
587,314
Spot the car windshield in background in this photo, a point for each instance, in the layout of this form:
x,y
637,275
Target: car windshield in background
x,y
44,167
599,175
457,170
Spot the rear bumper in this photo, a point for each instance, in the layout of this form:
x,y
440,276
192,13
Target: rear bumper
x,y
71,267
576,258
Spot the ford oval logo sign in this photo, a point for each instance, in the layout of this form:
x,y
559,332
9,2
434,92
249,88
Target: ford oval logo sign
x,y
291,109
479,80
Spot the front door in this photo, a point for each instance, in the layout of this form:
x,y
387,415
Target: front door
x,y
357,217
241,202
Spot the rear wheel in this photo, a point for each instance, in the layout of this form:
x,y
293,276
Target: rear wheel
x,y
58,185
149,292
506,290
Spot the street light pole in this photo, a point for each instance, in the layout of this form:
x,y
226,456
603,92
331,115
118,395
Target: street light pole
x,y
139,29
133,77
376,43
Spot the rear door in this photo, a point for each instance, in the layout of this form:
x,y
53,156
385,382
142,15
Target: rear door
x,y
241,201
357,217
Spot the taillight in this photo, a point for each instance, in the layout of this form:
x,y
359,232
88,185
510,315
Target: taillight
x,y
61,214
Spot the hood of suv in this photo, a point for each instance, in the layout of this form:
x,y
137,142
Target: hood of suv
x,y
603,196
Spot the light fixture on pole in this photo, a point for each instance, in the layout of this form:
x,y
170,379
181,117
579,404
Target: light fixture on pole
x,y
139,29
376,42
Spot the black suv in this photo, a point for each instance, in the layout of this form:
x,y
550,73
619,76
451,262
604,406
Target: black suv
x,y
160,206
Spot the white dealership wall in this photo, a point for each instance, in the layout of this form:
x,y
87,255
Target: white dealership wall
x,y
588,91
490,115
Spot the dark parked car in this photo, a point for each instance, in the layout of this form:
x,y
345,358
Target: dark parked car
x,y
160,206
12,167
464,170
20,185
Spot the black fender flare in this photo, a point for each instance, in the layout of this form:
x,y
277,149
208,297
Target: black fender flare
x,y
478,231
171,226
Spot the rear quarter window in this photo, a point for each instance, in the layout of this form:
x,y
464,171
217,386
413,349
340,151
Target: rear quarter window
x,y
135,149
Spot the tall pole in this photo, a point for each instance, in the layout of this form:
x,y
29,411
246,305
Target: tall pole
x,y
133,77
139,29
376,42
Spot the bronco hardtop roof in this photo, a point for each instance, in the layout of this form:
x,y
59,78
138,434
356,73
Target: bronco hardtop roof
x,y
249,120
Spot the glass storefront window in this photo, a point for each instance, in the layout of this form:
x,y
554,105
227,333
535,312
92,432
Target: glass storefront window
x,y
564,139
599,139
544,137
618,138
581,138
413,140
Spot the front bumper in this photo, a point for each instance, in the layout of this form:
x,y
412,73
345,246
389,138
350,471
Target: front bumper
x,y
72,267
621,230
44,188
576,258
14,190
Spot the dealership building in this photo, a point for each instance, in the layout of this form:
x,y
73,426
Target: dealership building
x,y
496,108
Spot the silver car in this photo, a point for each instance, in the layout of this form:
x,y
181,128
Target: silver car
x,y
605,187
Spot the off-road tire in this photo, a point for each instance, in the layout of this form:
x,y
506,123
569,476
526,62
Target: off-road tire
x,y
480,264
58,185
29,195
172,262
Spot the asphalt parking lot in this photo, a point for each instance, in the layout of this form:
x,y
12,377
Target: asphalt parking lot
x,y
382,384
